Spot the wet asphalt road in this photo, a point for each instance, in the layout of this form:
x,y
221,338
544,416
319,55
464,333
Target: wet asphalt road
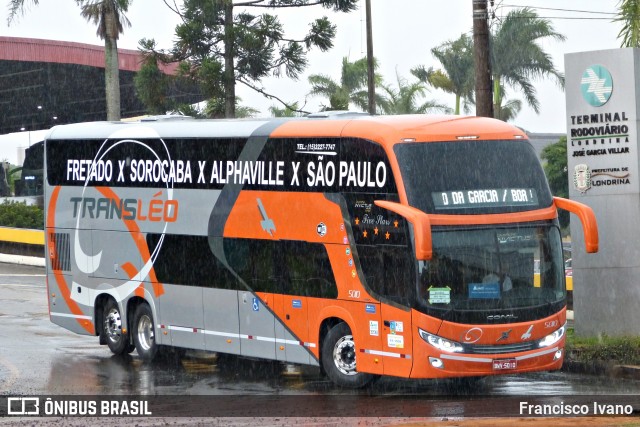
x,y
40,358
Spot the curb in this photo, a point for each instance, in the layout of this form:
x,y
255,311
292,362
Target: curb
x,y
602,369
22,259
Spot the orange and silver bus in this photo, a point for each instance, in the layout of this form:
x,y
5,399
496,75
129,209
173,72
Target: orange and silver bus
x,y
365,245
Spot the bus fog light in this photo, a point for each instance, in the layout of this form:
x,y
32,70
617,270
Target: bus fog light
x,y
436,363
558,355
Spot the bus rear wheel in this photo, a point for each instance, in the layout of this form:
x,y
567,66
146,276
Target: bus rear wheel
x,y
144,332
117,341
339,358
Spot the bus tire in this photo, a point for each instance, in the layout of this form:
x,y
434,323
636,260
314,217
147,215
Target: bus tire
x,y
144,333
339,358
117,341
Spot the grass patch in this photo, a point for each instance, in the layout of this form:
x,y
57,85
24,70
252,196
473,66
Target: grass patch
x,y
603,348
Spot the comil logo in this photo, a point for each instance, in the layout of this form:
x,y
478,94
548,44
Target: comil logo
x,y
596,85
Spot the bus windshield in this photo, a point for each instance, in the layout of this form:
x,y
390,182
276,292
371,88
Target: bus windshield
x,y
493,274
473,177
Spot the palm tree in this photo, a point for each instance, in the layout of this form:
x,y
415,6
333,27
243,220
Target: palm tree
x,y
508,110
629,15
457,76
517,58
109,17
352,88
406,99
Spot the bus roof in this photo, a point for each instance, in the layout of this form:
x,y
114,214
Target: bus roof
x,y
382,129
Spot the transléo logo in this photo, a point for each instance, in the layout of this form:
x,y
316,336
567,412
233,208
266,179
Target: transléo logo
x,y
596,85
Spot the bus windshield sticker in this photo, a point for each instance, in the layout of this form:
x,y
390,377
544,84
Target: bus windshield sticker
x,y
484,290
482,198
439,295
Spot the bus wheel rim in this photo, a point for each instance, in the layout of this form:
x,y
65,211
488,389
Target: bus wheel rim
x,y
344,355
113,325
145,333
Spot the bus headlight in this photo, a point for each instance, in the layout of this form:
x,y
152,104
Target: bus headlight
x,y
441,343
552,338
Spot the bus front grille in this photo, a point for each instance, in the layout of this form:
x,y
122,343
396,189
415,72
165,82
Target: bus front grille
x,y
500,349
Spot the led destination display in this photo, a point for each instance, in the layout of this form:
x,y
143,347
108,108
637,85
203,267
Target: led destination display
x,y
482,198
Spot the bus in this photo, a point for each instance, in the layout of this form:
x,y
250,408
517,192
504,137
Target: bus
x,y
365,245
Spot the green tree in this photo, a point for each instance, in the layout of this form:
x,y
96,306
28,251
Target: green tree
x,y
457,75
554,158
223,47
352,88
215,108
21,215
408,98
629,15
151,84
517,57
508,110
286,111
108,16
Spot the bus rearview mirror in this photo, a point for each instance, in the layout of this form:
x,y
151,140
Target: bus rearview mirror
x,y
587,218
421,226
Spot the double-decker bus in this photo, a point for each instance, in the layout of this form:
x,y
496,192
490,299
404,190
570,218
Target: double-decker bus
x,y
366,245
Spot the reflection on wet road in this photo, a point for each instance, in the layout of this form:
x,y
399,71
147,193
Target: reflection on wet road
x,y
37,357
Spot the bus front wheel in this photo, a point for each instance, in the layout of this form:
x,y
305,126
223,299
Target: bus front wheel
x,y
144,332
116,339
339,358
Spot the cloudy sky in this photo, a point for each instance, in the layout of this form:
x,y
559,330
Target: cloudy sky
x,y
404,31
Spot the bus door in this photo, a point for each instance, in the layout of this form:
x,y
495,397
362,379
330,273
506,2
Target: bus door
x,y
396,340
389,273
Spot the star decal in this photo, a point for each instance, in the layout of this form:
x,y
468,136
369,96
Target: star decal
x,y
364,233
387,235
395,223
357,221
375,231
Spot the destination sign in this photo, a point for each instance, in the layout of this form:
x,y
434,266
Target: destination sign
x,y
482,198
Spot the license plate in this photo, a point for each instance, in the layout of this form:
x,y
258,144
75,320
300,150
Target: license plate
x,y
501,364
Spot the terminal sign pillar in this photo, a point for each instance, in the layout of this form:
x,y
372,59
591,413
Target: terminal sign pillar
x,y
602,121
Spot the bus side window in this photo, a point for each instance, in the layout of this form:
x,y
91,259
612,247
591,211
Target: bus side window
x,y
254,261
175,265
307,270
